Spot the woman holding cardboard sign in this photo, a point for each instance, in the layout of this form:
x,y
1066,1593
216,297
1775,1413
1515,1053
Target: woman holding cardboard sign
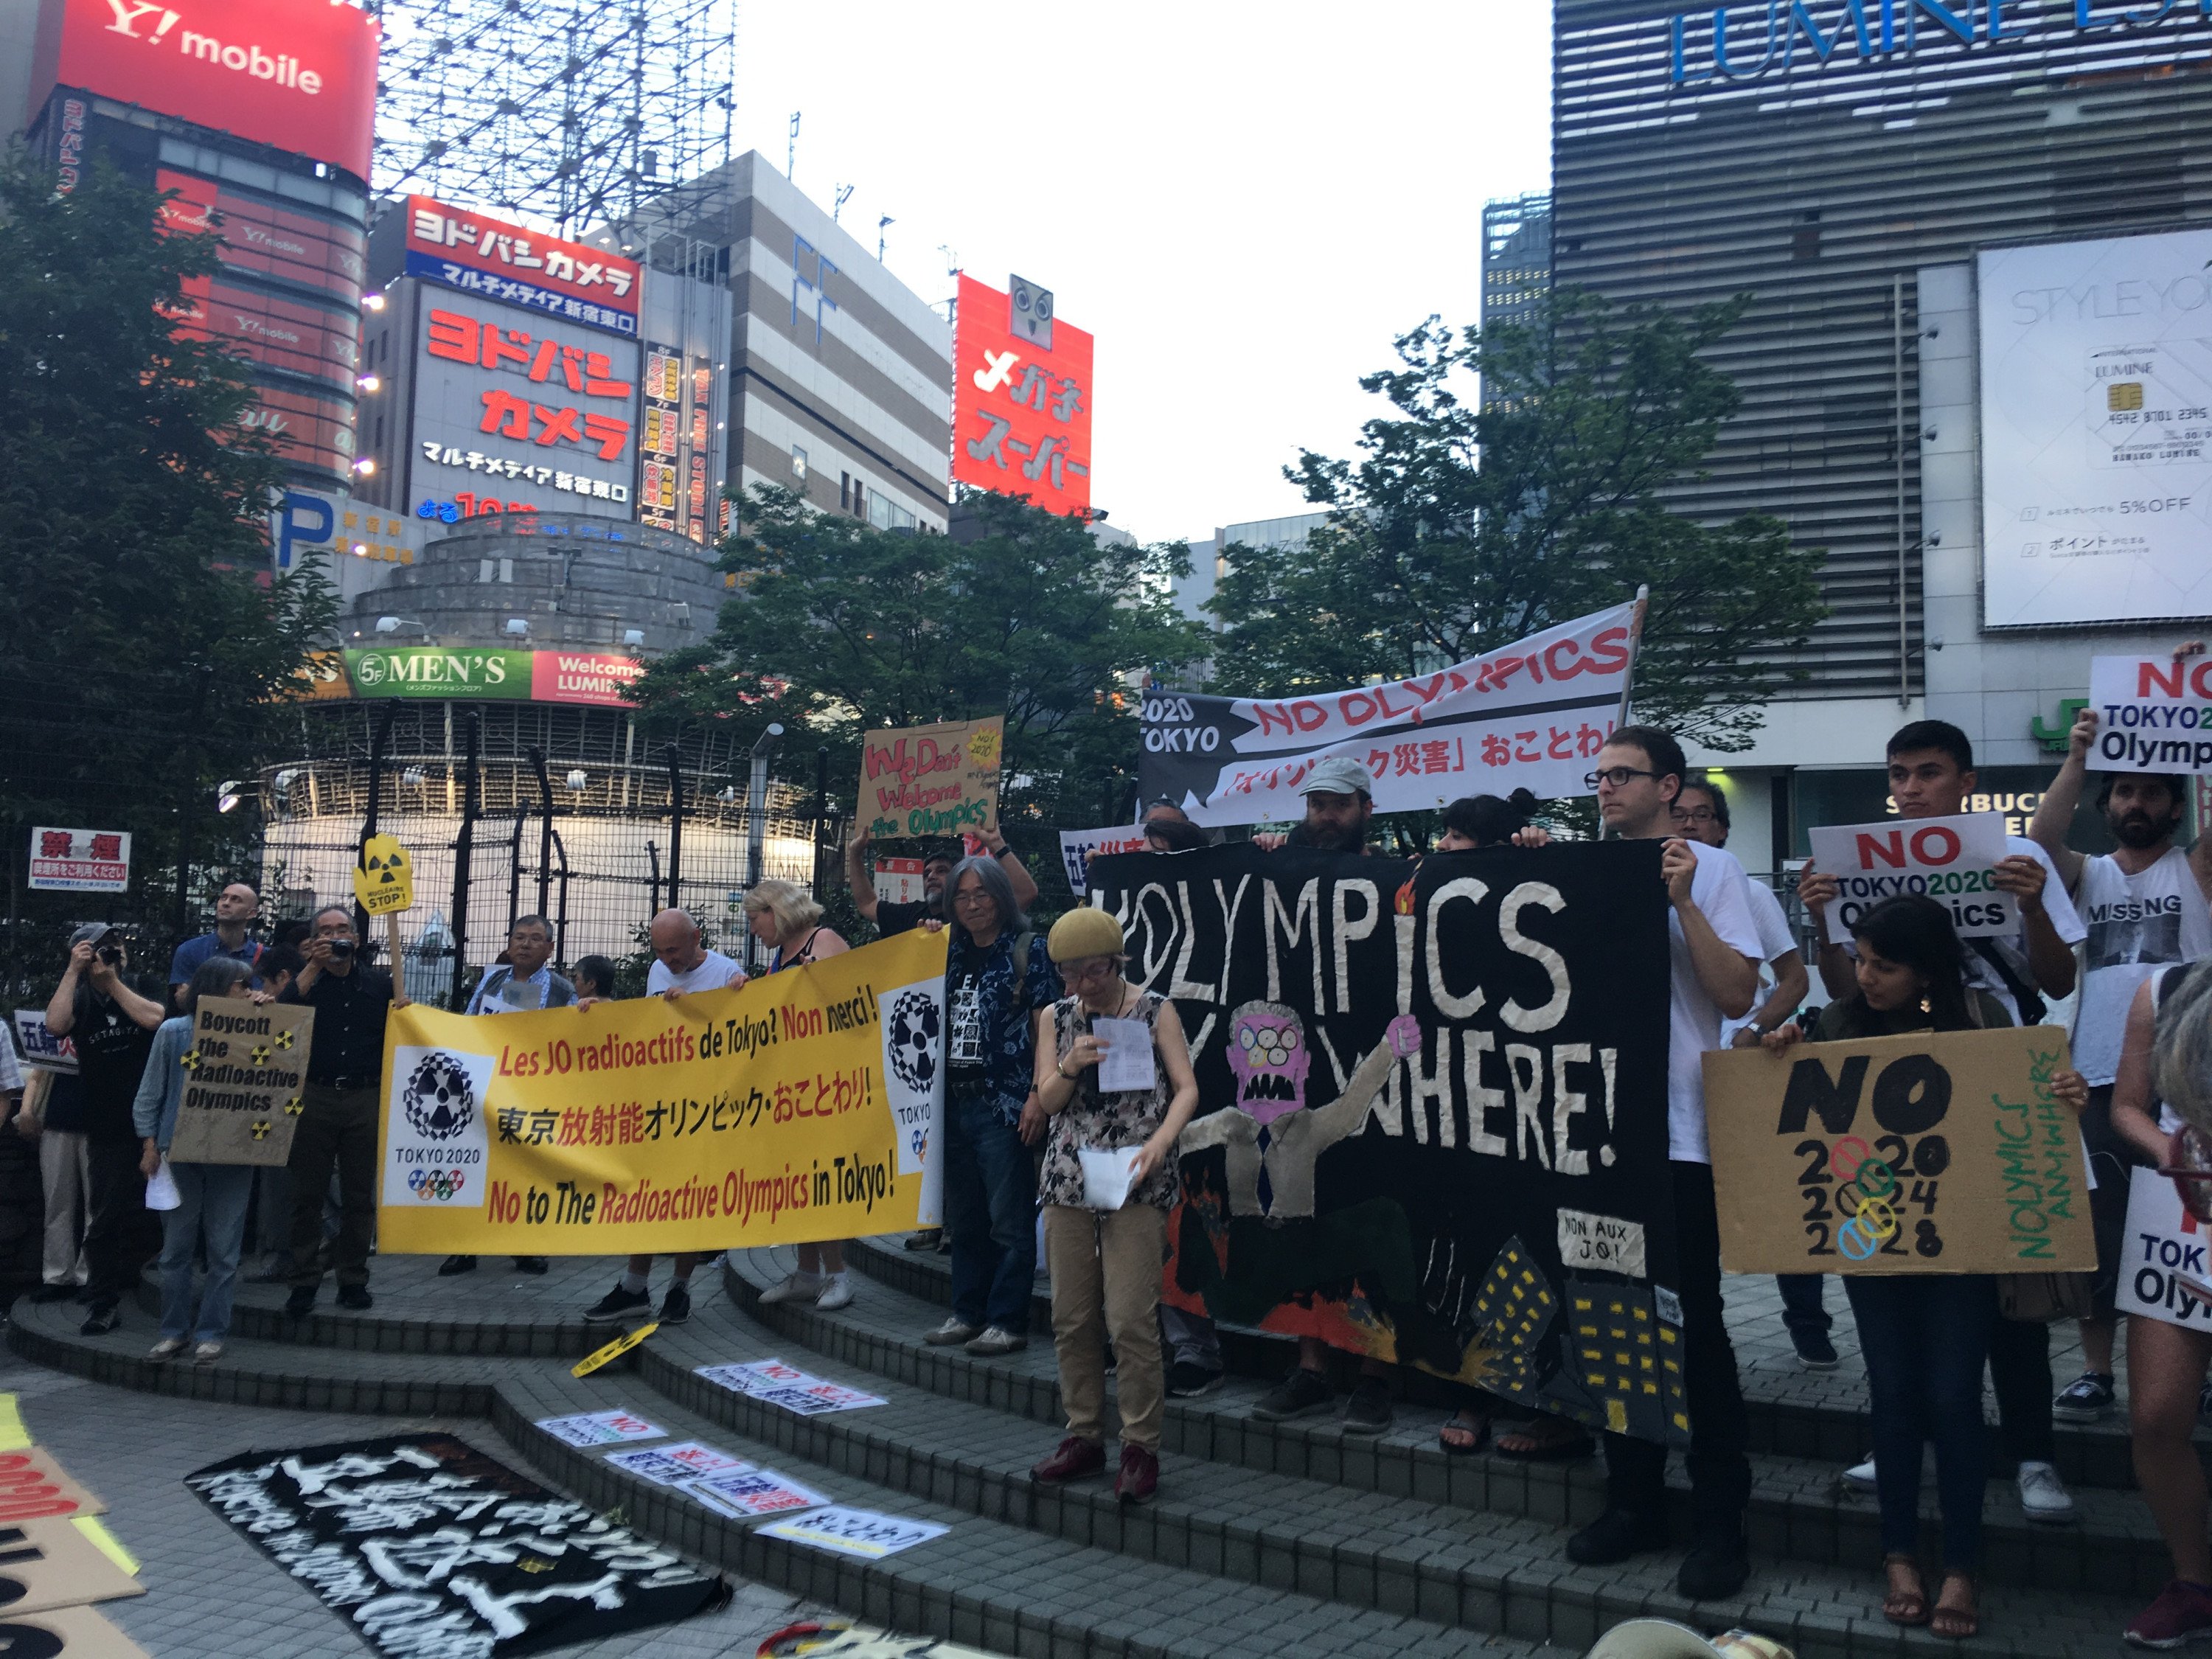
x,y
1925,1337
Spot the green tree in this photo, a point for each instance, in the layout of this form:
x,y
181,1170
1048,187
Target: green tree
x,y
839,627
144,644
1474,518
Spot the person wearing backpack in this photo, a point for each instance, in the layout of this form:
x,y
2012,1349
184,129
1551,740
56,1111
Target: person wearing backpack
x,y
995,983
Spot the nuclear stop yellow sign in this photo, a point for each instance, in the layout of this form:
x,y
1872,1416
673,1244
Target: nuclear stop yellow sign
x,y
383,883
804,1106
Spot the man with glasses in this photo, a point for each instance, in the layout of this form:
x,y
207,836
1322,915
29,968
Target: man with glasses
x,y
1715,951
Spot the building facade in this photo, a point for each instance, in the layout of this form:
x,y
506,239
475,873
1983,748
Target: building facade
x,y
1517,259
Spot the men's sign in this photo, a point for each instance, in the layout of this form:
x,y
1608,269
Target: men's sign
x,y
80,860
2163,1273
245,1076
1953,860
384,880
801,1108
1078,847
1932,1153
2154,714
1531,715
931,780
1405,1078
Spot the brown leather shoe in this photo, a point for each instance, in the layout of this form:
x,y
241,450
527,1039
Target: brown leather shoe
x,y
1140,1476
1076,1458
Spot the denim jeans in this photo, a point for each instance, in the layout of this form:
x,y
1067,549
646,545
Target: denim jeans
x,y
1801,1310
213,1204
1924,1340
990,1204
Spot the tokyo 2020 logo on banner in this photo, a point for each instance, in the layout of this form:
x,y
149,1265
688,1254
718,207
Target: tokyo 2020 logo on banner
x,y
434,1140
913,1082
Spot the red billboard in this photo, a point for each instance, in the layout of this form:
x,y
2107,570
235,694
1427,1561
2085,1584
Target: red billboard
x,y
479,254
291,74
260,237
1021,414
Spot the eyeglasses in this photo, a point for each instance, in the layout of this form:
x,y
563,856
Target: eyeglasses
x,y
1090,968
973,895
1618,776
1696,815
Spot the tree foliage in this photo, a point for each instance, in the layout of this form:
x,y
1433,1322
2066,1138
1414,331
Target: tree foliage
x,y
838,626
1470,521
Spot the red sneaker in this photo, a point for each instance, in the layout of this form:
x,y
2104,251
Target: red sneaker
x,y
2181,1613
1140,1476
1076,1458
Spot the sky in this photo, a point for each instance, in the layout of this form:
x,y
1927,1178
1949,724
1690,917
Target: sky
x,y
1245,203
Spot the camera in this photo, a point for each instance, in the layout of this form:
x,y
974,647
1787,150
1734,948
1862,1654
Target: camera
x,y
341,947
111,954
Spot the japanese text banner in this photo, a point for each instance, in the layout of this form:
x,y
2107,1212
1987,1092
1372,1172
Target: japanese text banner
x,y
801,1108
1532,714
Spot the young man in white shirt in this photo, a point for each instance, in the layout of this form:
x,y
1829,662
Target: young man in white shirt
x,y
1931,773
2145,907
1715,953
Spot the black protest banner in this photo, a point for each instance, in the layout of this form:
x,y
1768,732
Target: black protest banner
x,y
1433,1108
427,1547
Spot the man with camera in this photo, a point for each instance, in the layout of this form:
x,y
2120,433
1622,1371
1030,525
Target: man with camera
x,y
337,1124
112,1026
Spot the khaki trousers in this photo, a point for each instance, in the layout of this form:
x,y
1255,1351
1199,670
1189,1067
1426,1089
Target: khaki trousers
x,y
1106,1281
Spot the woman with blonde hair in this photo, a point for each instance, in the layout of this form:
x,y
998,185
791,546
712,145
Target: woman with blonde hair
x,y
783,918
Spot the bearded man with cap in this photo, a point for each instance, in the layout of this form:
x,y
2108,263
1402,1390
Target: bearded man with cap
x,y
1104,1243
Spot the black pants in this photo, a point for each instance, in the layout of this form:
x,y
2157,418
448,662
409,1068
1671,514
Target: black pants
x,y
2019,1371
1720,1473
337,1128
1802,1312
121,1238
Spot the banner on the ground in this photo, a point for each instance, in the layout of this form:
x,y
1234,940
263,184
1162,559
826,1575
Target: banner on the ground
x,y
245,1077
1532,714
1078,847
1937,1152
931,779
2163,1271
2154,714
33,1486
1405,1078
1952,860
801,1108
424,1544
49,1562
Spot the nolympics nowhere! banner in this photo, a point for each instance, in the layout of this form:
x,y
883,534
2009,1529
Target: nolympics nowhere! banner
x,y
1530,715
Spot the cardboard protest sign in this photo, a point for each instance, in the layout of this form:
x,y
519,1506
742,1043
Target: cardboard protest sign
x,y
48,1563
65,1633
384,880
1078,847
1532,714
245,1076
1937,1152
2154,714
2163,1273
1951,860
1404,1078
801,1108
931,779
33,1486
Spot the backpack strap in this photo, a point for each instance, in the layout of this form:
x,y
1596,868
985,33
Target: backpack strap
x,y
1022,944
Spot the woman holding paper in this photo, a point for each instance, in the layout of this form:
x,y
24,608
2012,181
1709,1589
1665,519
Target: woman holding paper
x,y
1113,1076
207,1199
1925,1337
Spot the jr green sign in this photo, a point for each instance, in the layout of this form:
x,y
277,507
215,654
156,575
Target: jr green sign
x,y
427,671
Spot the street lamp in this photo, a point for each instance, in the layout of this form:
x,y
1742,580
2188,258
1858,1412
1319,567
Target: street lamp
x,y
394,624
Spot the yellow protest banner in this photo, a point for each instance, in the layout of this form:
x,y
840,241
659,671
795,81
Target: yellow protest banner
x,y
383,881
800,1108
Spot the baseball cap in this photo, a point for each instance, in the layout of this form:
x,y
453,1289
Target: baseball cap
x,y
91,933
1339,774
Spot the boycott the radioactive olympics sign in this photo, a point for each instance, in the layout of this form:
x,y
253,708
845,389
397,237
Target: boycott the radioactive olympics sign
x,y
803,1107
1952,860
2154,714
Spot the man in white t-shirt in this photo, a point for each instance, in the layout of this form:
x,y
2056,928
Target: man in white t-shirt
x,y
1931,773
682,964
2145,907
1713,949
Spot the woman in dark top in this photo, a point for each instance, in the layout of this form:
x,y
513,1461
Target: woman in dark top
x,y
1925,1337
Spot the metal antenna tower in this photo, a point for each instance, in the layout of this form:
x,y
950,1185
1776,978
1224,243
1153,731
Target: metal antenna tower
x,y
577,111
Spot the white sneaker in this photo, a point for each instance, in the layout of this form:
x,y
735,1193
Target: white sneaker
x,y
795,1287
207,1354
951,1331
1861,1476
2043,1495
836,1292
996,1341
167,1348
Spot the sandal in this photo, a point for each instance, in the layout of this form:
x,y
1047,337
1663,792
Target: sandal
x,y
1472,1437
1958,1623
1545,1440
1904,1605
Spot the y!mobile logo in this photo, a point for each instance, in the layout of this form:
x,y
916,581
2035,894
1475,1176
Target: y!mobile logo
x,y
284,69
128,12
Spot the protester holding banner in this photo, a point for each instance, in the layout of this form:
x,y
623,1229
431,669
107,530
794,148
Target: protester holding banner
x,y
1108,1181
2145,905
891,917
1715,951
995,983
210,1198
782,917
1165,835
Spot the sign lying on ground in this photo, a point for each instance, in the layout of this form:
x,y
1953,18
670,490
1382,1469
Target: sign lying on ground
x,y
2154,714
801,1108
80,860
1952,860
1932,1153
931,780
245,1077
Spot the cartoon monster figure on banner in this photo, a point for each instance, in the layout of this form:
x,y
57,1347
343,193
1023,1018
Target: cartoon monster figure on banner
x,y
1433,1109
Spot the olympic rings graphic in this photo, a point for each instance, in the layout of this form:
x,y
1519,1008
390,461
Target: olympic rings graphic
x,y
436,1183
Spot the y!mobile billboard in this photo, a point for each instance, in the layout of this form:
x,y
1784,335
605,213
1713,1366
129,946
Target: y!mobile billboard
x,y
299,77
1021,412
479,254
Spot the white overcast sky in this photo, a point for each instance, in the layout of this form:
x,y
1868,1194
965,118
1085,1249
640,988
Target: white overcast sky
x,y
1244,202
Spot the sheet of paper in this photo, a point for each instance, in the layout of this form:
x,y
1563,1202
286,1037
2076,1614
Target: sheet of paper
x,y
856,1532
1128,1062
162,1192
743,1493
1107,1175
599,1428
672,1466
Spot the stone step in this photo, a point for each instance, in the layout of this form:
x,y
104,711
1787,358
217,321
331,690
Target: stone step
x,y
1800,1510
987,1582
1789,1410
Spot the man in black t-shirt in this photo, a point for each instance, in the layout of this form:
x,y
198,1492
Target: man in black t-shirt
x,y
896,916
112,1024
